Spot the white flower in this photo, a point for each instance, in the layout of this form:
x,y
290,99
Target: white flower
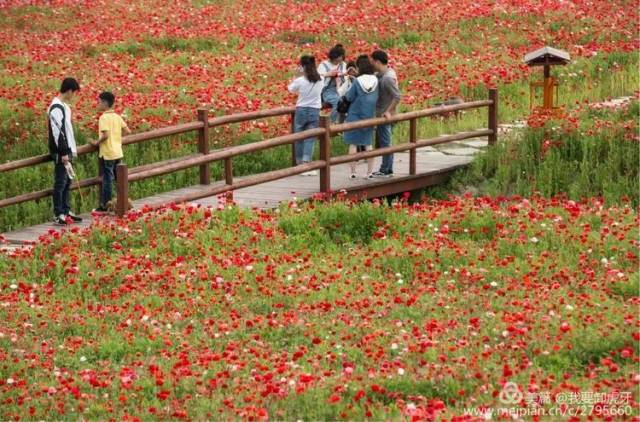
x,y
493,284
400,371
394,346
569,308
14,286
83,359
10,381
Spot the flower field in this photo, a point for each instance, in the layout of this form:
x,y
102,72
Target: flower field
x,y
522,291
163,60
329,311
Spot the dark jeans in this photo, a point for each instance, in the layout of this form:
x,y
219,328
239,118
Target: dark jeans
x,y
61,186
108,176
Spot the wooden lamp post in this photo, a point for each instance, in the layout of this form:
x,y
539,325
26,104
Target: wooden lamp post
x,y
546,57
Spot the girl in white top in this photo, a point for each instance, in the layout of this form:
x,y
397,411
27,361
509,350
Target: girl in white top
x,y
308,85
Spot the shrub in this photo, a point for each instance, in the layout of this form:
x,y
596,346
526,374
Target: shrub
x,y
341,223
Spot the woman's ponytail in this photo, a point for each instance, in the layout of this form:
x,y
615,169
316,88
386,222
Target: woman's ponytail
x,y
308,64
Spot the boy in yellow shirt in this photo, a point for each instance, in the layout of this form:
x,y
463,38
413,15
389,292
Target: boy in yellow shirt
x,y
110,127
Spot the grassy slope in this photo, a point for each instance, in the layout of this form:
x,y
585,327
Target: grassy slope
x,y
597,156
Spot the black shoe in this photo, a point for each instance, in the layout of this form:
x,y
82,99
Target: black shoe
x,y
74,217
60,220
101,208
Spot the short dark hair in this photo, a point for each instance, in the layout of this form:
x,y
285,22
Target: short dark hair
x,y
107,97
337,51
69,84
380,56
364,65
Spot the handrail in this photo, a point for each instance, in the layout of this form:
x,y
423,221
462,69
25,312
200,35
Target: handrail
x,y
204,157
407,147
400,117
155,134
252,115
224,153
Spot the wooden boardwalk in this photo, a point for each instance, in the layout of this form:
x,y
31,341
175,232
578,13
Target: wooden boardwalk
x,y
434,165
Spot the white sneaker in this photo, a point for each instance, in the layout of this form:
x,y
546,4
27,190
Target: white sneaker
x,y
60,220
310,173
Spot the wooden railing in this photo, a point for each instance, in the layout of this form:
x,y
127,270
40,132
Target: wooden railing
x,y
203,125
205,157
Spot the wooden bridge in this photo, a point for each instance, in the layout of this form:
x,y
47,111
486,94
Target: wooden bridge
x,y
414,166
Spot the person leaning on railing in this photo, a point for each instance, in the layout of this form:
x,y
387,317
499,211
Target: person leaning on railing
x,y
62,148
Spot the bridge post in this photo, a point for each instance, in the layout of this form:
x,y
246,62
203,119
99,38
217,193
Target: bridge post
x,y
413,138
228,177
122,188
293,145
203,145
325,154
493,116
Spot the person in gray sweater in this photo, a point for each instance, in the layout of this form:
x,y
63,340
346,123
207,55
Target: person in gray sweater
x,y
388,101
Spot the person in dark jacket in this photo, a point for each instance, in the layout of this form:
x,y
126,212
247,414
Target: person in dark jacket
x,y
62,148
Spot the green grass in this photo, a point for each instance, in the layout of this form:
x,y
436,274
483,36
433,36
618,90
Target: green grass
x,y
339,224
591,161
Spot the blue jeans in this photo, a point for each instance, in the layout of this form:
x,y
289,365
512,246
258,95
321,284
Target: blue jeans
x,y
330,96
108,176
384,140
306,118
61,186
